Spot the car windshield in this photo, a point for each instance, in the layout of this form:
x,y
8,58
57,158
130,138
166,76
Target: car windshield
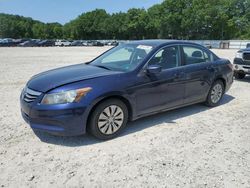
x,y
125,57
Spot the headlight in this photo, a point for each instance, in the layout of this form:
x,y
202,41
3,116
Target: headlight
x,y
239,55
65,97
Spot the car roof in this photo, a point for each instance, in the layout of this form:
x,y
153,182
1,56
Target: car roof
x,y
156,43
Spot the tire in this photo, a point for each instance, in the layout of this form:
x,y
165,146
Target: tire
x,y
239,75
215,94
104,126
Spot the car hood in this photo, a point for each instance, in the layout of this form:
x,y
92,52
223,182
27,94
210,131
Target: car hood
x,y
244,50
48,80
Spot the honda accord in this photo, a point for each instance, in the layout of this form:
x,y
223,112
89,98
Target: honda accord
x,y
127,82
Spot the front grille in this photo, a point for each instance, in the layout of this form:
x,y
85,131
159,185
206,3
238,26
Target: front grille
x,y
246,67
246,56
30,95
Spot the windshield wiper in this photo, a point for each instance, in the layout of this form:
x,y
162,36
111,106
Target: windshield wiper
x,y
101,66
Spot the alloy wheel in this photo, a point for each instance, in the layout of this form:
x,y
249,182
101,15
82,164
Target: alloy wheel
x,y
216,93
110,119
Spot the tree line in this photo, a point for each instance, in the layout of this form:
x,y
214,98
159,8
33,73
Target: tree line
x,y
182,19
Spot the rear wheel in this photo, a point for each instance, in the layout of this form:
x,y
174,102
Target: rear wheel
x,y
239,75
108,119
215,94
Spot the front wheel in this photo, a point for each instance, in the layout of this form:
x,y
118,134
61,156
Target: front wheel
x,y
108,119
215,94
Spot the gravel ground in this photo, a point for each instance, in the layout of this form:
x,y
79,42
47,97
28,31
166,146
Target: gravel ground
x,y
195,146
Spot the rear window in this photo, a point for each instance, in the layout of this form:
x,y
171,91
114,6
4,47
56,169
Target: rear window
x,y
194,55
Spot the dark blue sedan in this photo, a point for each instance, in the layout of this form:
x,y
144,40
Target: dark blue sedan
x,y
130,81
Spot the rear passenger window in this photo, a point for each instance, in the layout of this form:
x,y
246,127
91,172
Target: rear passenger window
x,y
193,55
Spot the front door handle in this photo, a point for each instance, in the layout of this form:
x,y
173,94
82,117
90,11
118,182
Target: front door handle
x,y
179,75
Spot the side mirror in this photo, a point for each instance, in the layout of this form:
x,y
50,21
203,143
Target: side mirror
x,y
154,69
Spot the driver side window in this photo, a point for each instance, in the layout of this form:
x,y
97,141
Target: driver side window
x,y
167,58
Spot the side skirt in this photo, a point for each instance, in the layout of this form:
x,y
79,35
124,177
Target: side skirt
x,y
167,109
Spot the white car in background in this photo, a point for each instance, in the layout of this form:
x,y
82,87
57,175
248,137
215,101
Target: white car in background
x,y
62,43
242,63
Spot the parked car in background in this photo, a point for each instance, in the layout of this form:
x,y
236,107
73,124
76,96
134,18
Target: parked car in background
x,y
109,42
97,43
29,43
93,43
85,43
248,45
128,82
46,43
16,42
115,43
242,63
112,43
89,43
77,43
62,43
6,42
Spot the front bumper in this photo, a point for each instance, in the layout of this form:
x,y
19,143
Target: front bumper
x,y
64,120
241,66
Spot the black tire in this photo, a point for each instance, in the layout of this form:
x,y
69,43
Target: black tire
x,y
211,102
239,75
93,127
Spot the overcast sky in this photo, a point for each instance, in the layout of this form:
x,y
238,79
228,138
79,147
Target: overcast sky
x,y
63,11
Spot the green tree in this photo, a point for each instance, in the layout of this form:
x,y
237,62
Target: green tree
x,y
153,27
90,25
136,22
115,26
182,19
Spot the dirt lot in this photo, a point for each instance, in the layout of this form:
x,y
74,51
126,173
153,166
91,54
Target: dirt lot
x,y
191,147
